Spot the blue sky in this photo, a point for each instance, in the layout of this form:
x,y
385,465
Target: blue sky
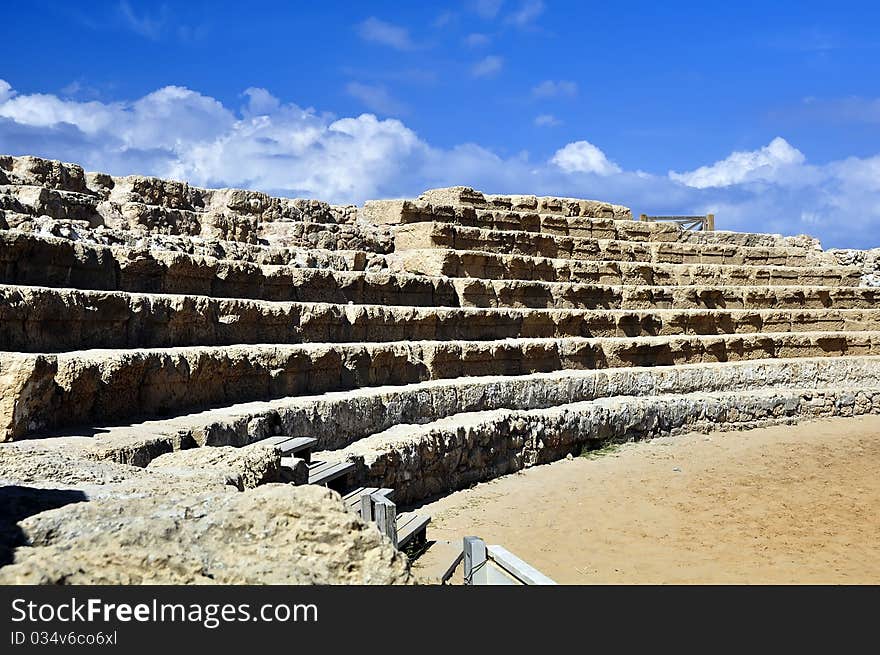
x,y
766,113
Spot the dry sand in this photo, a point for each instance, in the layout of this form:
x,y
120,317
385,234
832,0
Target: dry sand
x,y
787,504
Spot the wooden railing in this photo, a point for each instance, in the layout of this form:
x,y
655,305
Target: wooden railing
x,y
494,565
697,223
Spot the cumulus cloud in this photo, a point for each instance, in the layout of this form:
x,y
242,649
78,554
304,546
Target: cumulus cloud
x,y
584,157
260,102
488,66
765,164
282,148
6,91
378,31
554,88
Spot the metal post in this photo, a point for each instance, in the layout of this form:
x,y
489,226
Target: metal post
x,y
475,572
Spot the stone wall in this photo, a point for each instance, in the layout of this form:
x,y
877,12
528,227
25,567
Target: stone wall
x,y
49,197
867,260
420,462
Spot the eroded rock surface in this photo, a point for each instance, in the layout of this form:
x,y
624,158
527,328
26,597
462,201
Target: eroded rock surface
x,y
275,534
152,333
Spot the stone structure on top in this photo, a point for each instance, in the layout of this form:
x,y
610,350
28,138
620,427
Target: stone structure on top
x,y
433,342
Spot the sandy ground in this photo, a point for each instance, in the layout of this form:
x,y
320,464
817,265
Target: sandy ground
x,y
774,505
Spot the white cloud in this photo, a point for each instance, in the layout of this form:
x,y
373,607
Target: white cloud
x,y
764,164
260,102
144,24
378,31
554,88
487,9
488,66
6,91
584,157
476,40
547,120
526,14
284,149
375,98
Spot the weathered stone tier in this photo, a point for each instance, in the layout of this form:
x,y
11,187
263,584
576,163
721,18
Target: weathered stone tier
x,y
41,319
424,461
445,236
621,228
493,266
46,261
433,342
341,418
43,391
34,186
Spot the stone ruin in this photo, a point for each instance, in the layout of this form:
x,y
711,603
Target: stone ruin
x,y
153,334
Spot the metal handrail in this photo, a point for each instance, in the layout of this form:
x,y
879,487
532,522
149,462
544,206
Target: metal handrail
x,y
696,223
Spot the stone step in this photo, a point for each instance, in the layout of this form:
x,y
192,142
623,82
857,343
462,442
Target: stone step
x,y
600,226
279,243
28,259
494,266
443,235
339,418
43,392
31,171
460,196
42,319
128,247
53,262
421,461
137,225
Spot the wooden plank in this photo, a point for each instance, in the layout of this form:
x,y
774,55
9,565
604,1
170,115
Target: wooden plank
x,y
413,526
353,498
295,445
324,472
404,518
385,515
366,508
519,569
301,446
273,441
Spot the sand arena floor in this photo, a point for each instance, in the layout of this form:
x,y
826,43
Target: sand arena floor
x,y
789,504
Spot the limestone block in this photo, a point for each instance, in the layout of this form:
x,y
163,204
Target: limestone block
x,y
153,191
34,171
242,468
276,533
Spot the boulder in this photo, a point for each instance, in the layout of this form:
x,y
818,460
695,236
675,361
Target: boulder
x,y
275,534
